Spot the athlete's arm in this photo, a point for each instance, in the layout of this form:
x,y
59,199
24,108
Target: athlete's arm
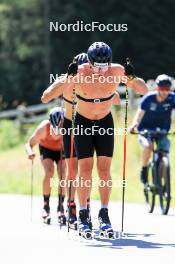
x,y
137,119
116,99
137,84
54,90
37,135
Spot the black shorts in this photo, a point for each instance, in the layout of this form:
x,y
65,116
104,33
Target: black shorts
x,y
102,143
46,153
67,125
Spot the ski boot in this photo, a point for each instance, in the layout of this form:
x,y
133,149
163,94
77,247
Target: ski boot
x,y
84,229
105,229
71,215
61,216
46,215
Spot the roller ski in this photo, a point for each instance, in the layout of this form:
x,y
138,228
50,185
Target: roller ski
x,y
83,227
62,219
105,229
61,216
46,216
71,216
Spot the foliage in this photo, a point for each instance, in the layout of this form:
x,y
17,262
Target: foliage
x,y
29,52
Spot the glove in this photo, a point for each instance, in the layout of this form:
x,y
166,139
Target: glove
x,y
129,69
72,69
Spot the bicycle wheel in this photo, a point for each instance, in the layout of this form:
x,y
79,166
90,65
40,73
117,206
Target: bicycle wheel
x,y
149,191
164,181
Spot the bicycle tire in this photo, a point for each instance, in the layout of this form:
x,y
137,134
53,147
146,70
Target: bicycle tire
x,y
165,187
149,191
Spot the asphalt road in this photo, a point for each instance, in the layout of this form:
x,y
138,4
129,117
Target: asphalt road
x,y
148,237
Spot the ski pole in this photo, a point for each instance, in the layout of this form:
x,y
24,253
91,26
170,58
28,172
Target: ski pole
x,y
61,173
71,156
31,191
124,158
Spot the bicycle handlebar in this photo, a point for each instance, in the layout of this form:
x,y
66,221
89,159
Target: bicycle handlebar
x,y
153,133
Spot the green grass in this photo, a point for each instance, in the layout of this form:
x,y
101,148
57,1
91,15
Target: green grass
x,y
15,172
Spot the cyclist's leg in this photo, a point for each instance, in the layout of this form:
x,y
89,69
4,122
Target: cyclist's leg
x,y
146,155
163,144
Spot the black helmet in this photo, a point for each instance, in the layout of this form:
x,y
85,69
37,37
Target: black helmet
x,y
81,58
99,52
163,80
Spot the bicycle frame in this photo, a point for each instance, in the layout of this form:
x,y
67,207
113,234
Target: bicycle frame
x,y
156,159
159,183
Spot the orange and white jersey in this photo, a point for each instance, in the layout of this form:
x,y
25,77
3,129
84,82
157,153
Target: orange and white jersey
x,y
51,141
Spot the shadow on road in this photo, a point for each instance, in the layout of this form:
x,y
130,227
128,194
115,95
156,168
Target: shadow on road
x,y
129,240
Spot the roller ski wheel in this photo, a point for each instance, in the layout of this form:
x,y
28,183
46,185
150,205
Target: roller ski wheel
x,y
72,222
60,214
106,231
62,219
46,217
73,226
85,231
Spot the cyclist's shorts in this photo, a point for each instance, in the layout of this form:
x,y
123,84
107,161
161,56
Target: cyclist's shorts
x,y
162,144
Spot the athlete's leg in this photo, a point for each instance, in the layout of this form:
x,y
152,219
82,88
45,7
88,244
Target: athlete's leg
x,y
105,183
61,169
84,147
72,176
146,155
104,145
48,166
85,180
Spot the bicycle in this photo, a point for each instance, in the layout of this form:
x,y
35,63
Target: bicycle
x,y
158,173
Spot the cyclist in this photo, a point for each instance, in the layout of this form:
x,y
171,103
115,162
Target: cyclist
x,y
154,113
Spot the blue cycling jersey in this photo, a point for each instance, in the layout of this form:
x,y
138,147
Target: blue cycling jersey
x,y
157,115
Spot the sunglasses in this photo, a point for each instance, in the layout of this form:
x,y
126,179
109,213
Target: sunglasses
x,y
103,67
164,88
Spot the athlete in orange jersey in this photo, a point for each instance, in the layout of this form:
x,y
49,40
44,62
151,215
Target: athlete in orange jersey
x,y
95,85
51,147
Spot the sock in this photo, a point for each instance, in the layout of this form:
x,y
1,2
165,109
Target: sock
x,y
104,206
61,199
60,203
46,200
83,208
70,202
